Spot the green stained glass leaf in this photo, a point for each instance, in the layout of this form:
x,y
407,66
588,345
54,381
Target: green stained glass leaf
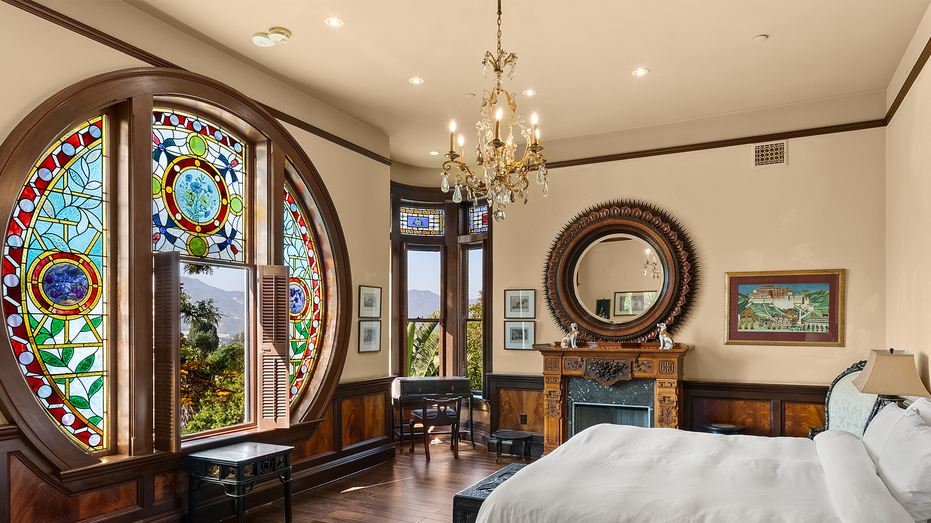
x,y
57,242
66,355
85,364
79,402
93,155
57,325
95,387
94,321
61,381
50,359
48,208
33,322
95,420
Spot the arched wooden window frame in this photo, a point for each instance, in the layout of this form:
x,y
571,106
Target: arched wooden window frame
x,y
128,98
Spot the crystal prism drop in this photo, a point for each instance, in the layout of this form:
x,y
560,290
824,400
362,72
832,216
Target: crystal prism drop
x,y
540,179
444,185
546,189
499,215
457,194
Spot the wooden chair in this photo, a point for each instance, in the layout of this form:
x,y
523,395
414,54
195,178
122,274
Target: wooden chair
x,y
846,408
437,412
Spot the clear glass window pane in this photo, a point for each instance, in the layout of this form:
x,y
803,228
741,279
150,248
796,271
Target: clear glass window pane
x,y
475,257
474,362
213,347
423,284
423,348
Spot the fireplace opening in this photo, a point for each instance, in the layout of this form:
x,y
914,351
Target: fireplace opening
x,y
585,415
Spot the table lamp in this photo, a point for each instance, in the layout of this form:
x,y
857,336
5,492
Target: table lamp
x,y
891,375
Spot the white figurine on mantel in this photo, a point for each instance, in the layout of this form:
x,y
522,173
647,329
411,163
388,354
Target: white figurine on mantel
x,y
665,340
569,341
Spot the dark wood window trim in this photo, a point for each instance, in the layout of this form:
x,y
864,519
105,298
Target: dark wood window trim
x,y
453,282
131,417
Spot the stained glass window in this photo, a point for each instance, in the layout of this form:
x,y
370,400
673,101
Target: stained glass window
x,y
421,222
198,187
478,219
306,290
54,284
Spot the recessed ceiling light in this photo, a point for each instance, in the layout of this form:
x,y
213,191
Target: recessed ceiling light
x,y
529,92
434,153
760,38
641,72
415,80
333,22
262,40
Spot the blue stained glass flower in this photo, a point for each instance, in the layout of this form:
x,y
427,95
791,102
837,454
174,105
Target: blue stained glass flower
x,y
298,299
65,284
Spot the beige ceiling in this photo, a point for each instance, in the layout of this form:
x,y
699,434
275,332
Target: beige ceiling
x,y
577,54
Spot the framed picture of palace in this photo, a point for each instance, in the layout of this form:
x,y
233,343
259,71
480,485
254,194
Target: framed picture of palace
x,y
518,335
520,303
785,308
369,335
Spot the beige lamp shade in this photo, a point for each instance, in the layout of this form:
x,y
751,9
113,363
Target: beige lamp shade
x,y
891,375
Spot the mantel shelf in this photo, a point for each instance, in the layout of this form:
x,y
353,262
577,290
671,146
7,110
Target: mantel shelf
x,y
678,348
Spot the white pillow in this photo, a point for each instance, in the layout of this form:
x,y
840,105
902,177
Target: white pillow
x,y
878,430
923,406
905,464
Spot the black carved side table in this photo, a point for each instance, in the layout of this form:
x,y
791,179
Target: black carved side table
x,y
513,436
238,468
467,502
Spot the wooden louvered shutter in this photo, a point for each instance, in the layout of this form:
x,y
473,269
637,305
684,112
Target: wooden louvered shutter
x,y
167,342
273,348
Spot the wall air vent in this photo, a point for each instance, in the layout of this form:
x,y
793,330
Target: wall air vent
x,y
772,153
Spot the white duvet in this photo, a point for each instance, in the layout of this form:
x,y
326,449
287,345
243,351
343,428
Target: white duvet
x,y
615,473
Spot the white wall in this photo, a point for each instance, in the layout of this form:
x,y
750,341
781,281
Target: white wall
x,y
825,210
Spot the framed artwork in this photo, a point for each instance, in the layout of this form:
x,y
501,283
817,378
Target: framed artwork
x,y
632,303
369,302
520,303
603,308
785,308
518,335
369,335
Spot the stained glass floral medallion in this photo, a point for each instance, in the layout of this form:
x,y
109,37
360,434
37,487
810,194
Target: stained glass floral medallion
x,y
421,222
54,284
306,293
478,219
198,187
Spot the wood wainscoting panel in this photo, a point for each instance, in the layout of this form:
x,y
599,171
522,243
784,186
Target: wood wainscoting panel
x,y
320,442
363,418
765,409
170,485
799,417
755,415
33,498
513,403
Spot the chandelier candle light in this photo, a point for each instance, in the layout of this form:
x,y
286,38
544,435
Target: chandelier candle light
x,y
504,178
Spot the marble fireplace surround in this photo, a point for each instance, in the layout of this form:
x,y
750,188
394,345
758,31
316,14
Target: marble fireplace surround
x,y
608,364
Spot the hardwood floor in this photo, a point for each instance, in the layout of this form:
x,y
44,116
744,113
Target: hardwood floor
x,y
407,490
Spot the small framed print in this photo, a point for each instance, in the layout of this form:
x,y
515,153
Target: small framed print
x,y
369,335
369,302
518,335
633,303
520,303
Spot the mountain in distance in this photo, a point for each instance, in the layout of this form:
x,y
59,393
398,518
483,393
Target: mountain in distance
x,y
232,305
421,304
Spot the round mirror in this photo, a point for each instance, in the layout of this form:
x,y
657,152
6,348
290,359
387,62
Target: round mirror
x,y
619,269
618,278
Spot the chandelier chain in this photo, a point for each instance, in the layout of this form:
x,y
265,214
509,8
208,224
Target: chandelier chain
x,y
499,27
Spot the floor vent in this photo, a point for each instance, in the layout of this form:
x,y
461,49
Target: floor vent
x,y
772,153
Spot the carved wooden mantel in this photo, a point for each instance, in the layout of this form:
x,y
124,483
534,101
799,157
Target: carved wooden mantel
x,y
609,363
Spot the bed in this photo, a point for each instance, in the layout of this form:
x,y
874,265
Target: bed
x,y
631,474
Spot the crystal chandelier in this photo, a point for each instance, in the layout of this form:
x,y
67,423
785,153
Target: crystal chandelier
x,y
504,178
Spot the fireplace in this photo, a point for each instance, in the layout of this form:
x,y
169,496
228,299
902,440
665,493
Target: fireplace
x,y
623,403
623,383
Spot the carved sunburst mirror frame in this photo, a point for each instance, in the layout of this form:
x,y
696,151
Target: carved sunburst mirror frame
x,y
644,221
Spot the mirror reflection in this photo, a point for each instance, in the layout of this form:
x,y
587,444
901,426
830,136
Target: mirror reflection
x,y
618,278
